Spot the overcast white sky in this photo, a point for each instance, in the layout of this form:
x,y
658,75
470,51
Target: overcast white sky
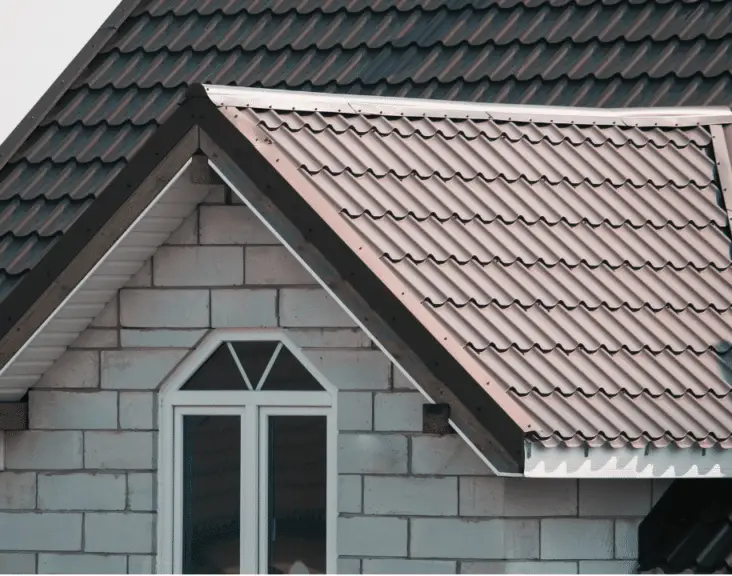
x,y
38,38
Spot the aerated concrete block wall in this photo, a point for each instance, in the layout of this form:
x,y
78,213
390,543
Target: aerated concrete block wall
x,y
78,492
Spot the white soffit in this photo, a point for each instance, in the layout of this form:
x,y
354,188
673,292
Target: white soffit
x,y
606,462
173,204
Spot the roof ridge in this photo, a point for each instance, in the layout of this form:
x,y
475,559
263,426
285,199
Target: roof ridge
x,y
299,101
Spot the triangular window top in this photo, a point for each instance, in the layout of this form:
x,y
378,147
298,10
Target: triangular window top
x,y
256,365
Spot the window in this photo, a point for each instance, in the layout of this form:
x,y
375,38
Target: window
x,y
247,474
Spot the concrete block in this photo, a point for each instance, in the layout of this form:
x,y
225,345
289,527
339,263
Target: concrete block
x,y
116,532
576,539
96,338
81,491
198,266
119,450
137,410
607,567
60,410
459,538
153,338
398,411
405,566
349,565
43,450
108,317
626,538
244,308
355,411
401,382
216,196
311,307
274,265
350,489
138,369
329,338
19,563
535,497
445,455
233,225
372,536
387,495
141,491
74,369
151,308
49,532
186,233
141,564
82,564
518,567
17,490
143,277
621,497
372,454
352,369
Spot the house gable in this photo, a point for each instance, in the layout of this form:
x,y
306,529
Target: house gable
x,y
257,157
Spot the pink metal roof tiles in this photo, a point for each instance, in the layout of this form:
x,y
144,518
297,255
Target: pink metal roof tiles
x,y
582,261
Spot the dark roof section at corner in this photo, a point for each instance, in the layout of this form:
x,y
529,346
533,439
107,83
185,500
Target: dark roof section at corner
x,y
689,530
583,53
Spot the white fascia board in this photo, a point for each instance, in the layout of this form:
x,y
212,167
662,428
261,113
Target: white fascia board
x,y
607,462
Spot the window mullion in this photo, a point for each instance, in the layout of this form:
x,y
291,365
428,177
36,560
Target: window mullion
x,y
248,513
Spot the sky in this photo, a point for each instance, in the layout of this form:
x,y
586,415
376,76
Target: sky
x,y
38,39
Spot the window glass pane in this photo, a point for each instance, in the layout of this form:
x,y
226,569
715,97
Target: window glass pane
x,y
289,374
211,488
219,372
297,494
254,357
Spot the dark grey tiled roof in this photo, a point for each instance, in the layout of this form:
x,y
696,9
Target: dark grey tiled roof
x,y
563,52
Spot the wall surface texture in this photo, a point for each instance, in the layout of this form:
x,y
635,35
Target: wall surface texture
x,y
78,492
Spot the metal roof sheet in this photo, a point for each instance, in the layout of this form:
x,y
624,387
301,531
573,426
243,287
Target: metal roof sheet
x,y
602,53
585,268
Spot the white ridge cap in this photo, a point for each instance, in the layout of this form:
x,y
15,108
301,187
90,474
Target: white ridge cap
x,y
301,101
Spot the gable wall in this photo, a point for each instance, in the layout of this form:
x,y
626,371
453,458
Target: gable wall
x,y
79,490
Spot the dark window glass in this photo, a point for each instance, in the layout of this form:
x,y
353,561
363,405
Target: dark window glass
x,y
218,372
289,374
297,493
254,358
211,488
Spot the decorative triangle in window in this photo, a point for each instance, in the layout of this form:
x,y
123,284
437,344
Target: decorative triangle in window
x,y
254,358
288,374
218,372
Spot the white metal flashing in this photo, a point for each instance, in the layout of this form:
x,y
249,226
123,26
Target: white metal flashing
x,y
289,100
607,462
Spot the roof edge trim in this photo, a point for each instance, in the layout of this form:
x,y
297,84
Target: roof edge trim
x,y
291,100
60,85
626,462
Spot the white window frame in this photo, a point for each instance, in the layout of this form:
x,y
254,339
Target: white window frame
x,y
254,407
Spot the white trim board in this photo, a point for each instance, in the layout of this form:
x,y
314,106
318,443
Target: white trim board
x,y
606,462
